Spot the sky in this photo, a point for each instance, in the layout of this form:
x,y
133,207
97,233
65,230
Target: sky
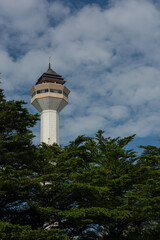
x,y
108,51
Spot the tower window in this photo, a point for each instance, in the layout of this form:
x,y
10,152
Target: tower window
x,y
42,91
65,94
33,94
55,90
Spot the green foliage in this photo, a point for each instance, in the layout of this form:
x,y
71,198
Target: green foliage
x,y
9,231
94,188
19,189
97,189
16,152
89,185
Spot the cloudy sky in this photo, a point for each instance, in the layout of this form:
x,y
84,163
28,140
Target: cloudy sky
x,y
107,51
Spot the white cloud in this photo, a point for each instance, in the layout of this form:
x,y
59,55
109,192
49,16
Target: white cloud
x,y
24,16
110,58
56,10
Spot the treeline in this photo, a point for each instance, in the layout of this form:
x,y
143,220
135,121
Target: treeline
x,y
94,188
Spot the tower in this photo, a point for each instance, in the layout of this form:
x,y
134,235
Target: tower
x,y
49,96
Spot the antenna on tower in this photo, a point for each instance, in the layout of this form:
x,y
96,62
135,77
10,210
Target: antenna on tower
x,y
49,62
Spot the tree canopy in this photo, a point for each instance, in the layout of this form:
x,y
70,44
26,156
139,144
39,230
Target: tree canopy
x,y
94,188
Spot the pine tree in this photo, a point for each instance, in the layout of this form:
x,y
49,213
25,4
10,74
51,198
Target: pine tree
x,y
144,199
19,192
97,189
87,186
94,188
16,151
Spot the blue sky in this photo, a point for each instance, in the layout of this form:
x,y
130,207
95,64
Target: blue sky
x,y
107,51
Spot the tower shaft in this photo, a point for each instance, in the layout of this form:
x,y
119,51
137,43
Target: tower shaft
x,y
50,126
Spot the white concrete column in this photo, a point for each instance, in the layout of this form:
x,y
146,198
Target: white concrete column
x,y
50,126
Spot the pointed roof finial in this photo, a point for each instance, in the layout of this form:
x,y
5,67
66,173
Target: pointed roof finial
x,y
49,63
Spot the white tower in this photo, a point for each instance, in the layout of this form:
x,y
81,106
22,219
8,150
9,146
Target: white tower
x,y
49,97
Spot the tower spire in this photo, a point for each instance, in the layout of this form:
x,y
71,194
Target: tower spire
x,y
49,63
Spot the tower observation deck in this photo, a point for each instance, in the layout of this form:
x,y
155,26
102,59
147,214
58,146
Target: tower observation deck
x,y
49,96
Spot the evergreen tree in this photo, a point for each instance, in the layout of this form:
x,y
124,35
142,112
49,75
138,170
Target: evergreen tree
x,y
97,189
94,188
9,231
87,187
144,198
19,193
16,152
